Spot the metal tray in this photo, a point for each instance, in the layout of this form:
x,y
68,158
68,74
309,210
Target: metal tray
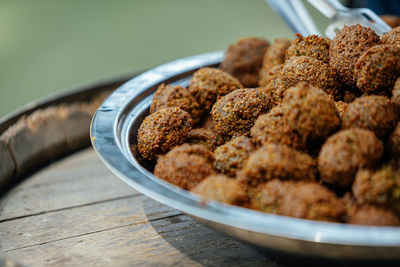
x,y
115,124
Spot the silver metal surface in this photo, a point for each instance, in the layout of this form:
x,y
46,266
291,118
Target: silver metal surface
x,y
341,15
115,124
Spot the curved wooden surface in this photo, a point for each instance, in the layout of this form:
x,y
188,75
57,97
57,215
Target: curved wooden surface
x,y
76,212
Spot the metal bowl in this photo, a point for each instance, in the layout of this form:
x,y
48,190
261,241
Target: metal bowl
x,y
115,124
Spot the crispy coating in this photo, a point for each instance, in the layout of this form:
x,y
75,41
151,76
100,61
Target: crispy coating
x,y
278,161
341,107
185,166
168,96
312,201
274,87
274,56
380,187
235,113
391,20
345,152
375,113
221,188
244,60
273,127
394,142
396,93
268,197
391,37
162,130
310,70
347,46
378,68
231,157
205,137
208,84
310,111
312,46
373,215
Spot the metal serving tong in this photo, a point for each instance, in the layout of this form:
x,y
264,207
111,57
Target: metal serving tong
x,y
297,17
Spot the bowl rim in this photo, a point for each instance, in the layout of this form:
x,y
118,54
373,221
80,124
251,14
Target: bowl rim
x,y
110,131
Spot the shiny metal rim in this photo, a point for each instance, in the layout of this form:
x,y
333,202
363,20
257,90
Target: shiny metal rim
x,y
110,132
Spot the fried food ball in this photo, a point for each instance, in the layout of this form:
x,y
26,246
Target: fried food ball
x,y
312,46
347,46
278,161
391,37
273,85
373,215
230,157
168,96
274,127
235,113
375,113
310,111
274,56
391,20
378,68
162,130
396,93
341,107
380,187
347,151
185,166
312,201
394,142
208,84
204,137
244,60
268,197
221,188
310,70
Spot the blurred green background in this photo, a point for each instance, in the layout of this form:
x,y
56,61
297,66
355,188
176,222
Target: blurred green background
x,y
47,46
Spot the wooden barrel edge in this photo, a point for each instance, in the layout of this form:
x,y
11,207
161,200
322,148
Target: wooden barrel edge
x,y
48,129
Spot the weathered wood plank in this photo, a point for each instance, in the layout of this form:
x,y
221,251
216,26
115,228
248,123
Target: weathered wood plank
x,y
48,227
77,180
174,241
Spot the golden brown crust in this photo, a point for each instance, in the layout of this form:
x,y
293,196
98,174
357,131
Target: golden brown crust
x,y
310,111
312,201
221,188
274,127
208,84
373,215
185,166
278,161
273,85
341,107
310,70
347,46
168,96
378,68
391,37
235,113
312,46
162,130
205,137
231,157
375,113
244,59
345,152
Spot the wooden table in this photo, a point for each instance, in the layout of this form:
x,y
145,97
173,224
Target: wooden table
x,y
76,212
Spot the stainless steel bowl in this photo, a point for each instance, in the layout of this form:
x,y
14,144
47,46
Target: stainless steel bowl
x,y
115,124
